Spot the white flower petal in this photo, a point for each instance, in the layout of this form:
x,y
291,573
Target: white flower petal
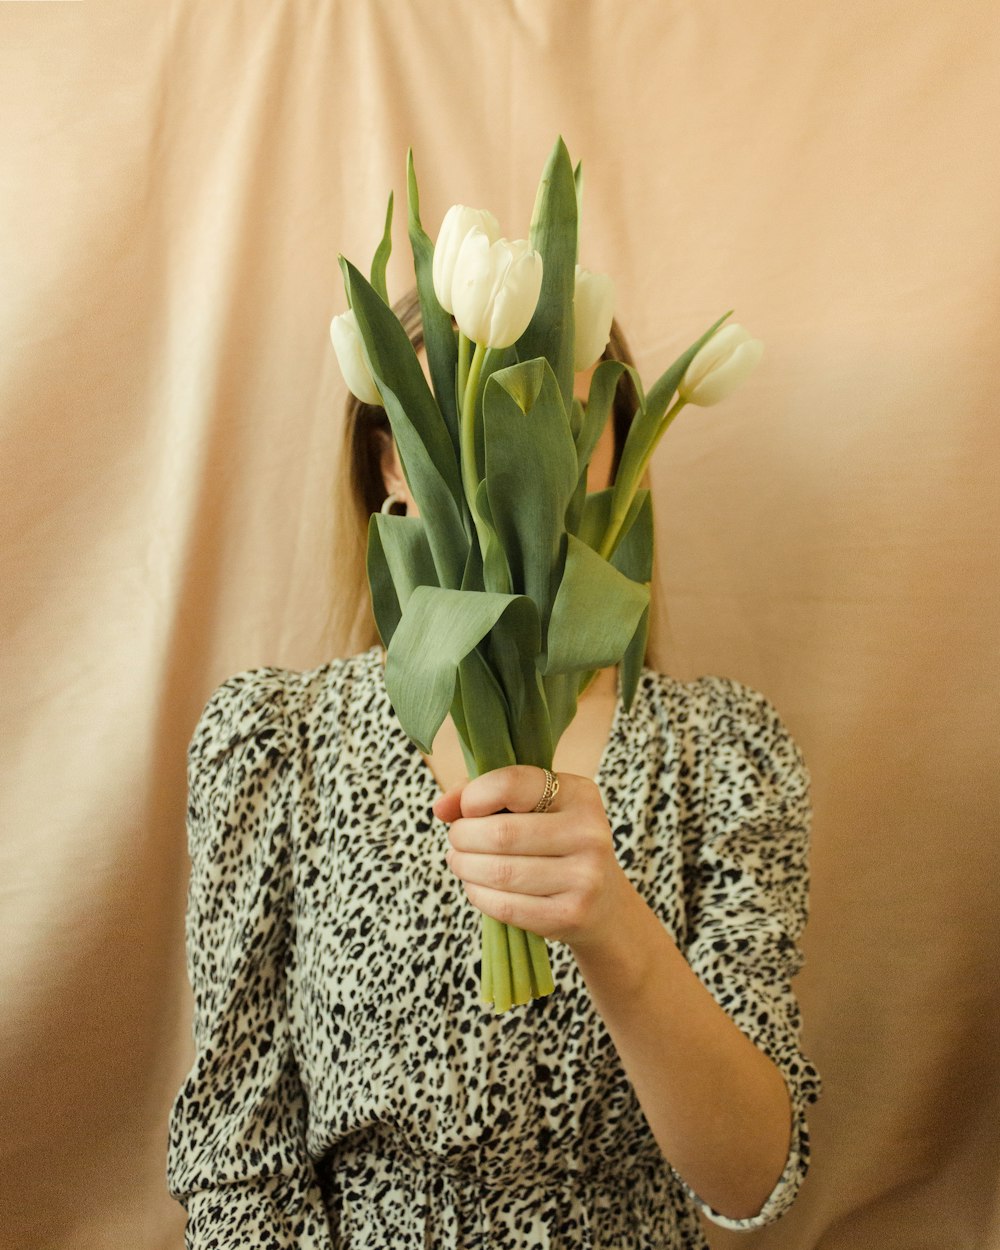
x,y
352,358
593,312
495,288
722,364
458,222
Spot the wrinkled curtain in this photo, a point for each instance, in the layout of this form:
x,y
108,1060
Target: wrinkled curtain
x,y
177,180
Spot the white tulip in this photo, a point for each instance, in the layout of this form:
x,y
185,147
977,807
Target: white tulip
x,y
458,221
353,359
722,364
495,288
593,310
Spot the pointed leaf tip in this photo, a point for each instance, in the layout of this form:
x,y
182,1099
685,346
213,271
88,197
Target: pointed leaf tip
x,y
412,193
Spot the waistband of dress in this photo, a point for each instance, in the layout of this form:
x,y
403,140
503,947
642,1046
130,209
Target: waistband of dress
x,y
386,1148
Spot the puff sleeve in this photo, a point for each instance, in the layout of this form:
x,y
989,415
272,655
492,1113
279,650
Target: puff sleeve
x,y
748,901
237,1159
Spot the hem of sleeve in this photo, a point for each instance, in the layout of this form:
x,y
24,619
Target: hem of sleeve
x,y
781,1196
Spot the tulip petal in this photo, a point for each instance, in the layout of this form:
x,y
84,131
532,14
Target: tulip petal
x,y
458,221
731,368
721,365
350,350
593,312
495,288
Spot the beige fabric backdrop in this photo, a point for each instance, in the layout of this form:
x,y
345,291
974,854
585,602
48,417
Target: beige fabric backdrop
x,y
177,179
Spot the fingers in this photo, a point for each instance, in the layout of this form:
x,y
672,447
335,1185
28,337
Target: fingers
x,y
517,874
546,872
518,833
567,915
448,806
517,788
548,917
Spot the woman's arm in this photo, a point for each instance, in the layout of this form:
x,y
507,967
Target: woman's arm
x,y
236,1153
716,1104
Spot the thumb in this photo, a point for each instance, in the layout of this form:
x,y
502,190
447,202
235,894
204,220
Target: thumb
x,y
448,806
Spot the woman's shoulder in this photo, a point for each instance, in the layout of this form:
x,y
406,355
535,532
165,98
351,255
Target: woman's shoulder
x,y
276,703
722,698
720,711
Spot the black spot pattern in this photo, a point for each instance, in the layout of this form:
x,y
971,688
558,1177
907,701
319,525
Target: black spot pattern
x,y
349,1089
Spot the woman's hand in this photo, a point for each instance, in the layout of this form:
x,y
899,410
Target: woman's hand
x,y
553,873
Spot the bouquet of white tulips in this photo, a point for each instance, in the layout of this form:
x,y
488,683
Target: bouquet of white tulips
x,y
514,586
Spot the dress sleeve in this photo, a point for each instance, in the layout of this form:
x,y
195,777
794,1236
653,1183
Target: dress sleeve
x,y
236,1157
748,901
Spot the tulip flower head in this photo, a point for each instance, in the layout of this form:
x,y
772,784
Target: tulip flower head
x,y
593,310
458,221
352,358
723,364
495,288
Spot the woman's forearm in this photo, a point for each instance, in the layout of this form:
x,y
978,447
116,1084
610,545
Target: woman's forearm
x,y
717,1106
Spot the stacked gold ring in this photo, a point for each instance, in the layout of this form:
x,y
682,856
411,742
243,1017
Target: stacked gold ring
x,y
549,793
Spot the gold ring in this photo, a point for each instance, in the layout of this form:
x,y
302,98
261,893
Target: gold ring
x,y
549,793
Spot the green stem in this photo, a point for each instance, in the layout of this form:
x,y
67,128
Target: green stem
x,y
472,383
470,473
541,970
463,368
520,966
496,951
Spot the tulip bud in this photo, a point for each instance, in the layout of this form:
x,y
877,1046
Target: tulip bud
x,y
353,359
593,310
722,364
495,288
458,221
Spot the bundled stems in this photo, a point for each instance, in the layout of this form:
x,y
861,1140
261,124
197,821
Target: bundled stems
x,y
515,964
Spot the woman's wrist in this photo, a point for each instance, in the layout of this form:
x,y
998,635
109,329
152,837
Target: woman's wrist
x,y
620,952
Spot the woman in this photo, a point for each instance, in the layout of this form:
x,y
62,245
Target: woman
x,y
349,1088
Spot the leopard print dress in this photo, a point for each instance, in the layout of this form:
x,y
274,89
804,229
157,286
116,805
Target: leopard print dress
x,y
349,1090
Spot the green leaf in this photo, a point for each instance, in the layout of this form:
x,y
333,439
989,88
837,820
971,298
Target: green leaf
x,y
645,429
425,447
634,660
440,340
513,647
407,552
531,473
385,601
577,503
578,183
595,613
576,418
633,555
561,691
472,574
634,558
483,719
496,571
420,678
597,516
603,385
554,235
381,257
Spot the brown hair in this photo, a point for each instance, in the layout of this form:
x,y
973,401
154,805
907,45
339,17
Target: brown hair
x,y
361,489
